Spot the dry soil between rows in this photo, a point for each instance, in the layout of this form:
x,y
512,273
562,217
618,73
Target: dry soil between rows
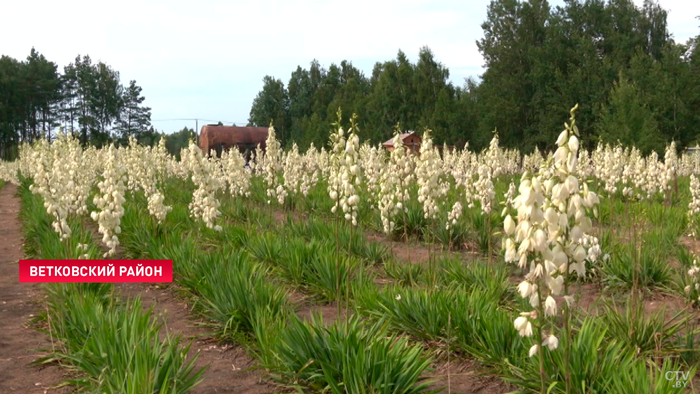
x,y
230,369
18,303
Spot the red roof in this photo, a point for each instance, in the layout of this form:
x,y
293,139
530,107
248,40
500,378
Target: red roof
x,y
403,137
234,134
212,137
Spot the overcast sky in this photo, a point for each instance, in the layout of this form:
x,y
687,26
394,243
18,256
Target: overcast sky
x,y
206,59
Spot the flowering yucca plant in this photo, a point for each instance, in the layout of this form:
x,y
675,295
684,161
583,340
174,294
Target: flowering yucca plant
x,y
292,170
343,178
694,206
430,188
204,205
9,172
335,163
271,165
670,169
395,178
63,175
692,289
110,200
236,173
311,170
372,161
145,168
350,175
552,213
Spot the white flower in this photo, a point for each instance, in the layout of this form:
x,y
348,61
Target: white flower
x,y
563,136
569,300
525,288
539,271
534,300
511,253
550,307
111,201
551,342
573,143
509,225
533,350
556,285
524,327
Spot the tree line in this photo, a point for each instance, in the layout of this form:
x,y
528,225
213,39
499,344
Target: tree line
x,y
618,61
86,99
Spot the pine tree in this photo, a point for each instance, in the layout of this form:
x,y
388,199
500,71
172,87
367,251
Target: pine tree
x,y
134,119
69,109
627,119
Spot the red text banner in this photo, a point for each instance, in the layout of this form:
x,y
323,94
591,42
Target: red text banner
x,y
95,271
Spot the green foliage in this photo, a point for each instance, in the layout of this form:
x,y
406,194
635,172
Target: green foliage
x,y
598,365
116,349
627,119
476,274
453,238
413,222
418,312
266,247
646,264
482,229
134,119
476,324
29,91
179,140
642,332
347,358
405,274
87,100
271,106
233,293
350,241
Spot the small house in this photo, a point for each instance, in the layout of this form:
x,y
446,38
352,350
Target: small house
x,y
218,139
410,139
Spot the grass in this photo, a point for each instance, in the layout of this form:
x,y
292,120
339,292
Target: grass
x,y
642,332
117,348
233,292
648,267
347,358
598,365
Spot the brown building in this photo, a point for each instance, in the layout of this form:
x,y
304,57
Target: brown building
x,y
221,138
410,139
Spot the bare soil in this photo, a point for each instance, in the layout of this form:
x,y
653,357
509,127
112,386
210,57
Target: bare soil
x,y
229,367
692,243
408,252
463,377
19,302
306,307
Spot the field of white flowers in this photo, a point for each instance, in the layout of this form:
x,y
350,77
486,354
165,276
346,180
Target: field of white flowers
x,y
547,270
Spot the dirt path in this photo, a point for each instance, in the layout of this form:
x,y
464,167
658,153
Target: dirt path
x,y
18,303
229,366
